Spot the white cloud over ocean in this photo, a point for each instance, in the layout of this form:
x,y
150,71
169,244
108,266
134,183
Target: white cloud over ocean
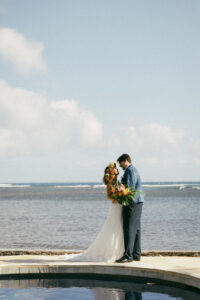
x,y
151,138
154,136
158,150
29,123
26,55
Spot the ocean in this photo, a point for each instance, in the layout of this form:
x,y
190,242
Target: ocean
x,y
68,216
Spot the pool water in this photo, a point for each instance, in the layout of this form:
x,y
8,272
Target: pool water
x,y
88,289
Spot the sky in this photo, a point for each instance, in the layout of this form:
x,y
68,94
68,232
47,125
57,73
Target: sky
x,y
82,82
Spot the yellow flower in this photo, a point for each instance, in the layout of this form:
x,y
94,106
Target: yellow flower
x,y
125,192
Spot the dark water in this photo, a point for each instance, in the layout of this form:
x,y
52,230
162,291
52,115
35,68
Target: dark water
x,y
87,289
69,216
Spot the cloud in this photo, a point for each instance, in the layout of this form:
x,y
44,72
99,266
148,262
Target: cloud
x,y
151,145
154,137
31,124
160,151
52,131
155,145
25,54
151,138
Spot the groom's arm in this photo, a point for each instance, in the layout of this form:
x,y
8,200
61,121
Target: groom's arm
x,y
131,178
131,182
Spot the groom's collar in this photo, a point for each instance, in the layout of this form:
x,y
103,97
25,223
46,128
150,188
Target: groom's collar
x,y
127,167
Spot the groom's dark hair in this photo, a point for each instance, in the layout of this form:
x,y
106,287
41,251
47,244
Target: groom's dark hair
x,y
124,157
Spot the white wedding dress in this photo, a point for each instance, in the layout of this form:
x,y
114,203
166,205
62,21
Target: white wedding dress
x,y
109,242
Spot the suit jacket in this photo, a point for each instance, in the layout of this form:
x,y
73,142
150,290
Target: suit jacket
x,y
132,178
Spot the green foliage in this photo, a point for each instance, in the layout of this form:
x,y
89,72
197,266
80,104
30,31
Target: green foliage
x,y
127,199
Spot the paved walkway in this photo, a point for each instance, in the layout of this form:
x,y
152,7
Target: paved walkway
x,y
179,269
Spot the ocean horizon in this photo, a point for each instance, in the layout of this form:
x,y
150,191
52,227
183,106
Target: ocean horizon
x,y
181,184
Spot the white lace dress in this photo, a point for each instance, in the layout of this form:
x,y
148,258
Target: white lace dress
x,y
109,242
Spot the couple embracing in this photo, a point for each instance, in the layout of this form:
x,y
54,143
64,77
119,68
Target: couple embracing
x,y
119,239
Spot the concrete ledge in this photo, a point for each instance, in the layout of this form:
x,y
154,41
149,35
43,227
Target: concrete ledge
x,y
183,270
5,252
191,253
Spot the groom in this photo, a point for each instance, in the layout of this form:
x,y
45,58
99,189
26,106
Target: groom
x,y
131,213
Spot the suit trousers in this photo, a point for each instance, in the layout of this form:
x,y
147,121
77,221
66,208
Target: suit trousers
x,y
132,230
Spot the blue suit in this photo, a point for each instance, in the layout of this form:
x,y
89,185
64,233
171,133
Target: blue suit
x,y
132,215
132,178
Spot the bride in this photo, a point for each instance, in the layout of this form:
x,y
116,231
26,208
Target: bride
x,y
108,245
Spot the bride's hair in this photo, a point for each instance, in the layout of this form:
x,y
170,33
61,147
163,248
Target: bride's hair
x,y
106,178
110,174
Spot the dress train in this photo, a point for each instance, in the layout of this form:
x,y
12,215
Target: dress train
x,y
108,244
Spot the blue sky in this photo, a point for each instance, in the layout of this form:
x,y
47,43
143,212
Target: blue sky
x,y
85,81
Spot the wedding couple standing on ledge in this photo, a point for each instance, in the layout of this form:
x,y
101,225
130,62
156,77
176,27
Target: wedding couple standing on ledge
x,y
119,239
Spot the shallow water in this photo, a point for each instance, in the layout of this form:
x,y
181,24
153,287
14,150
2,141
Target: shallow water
x,y
69,216
95,289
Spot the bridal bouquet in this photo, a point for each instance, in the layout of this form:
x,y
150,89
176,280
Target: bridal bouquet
x,y
123,194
